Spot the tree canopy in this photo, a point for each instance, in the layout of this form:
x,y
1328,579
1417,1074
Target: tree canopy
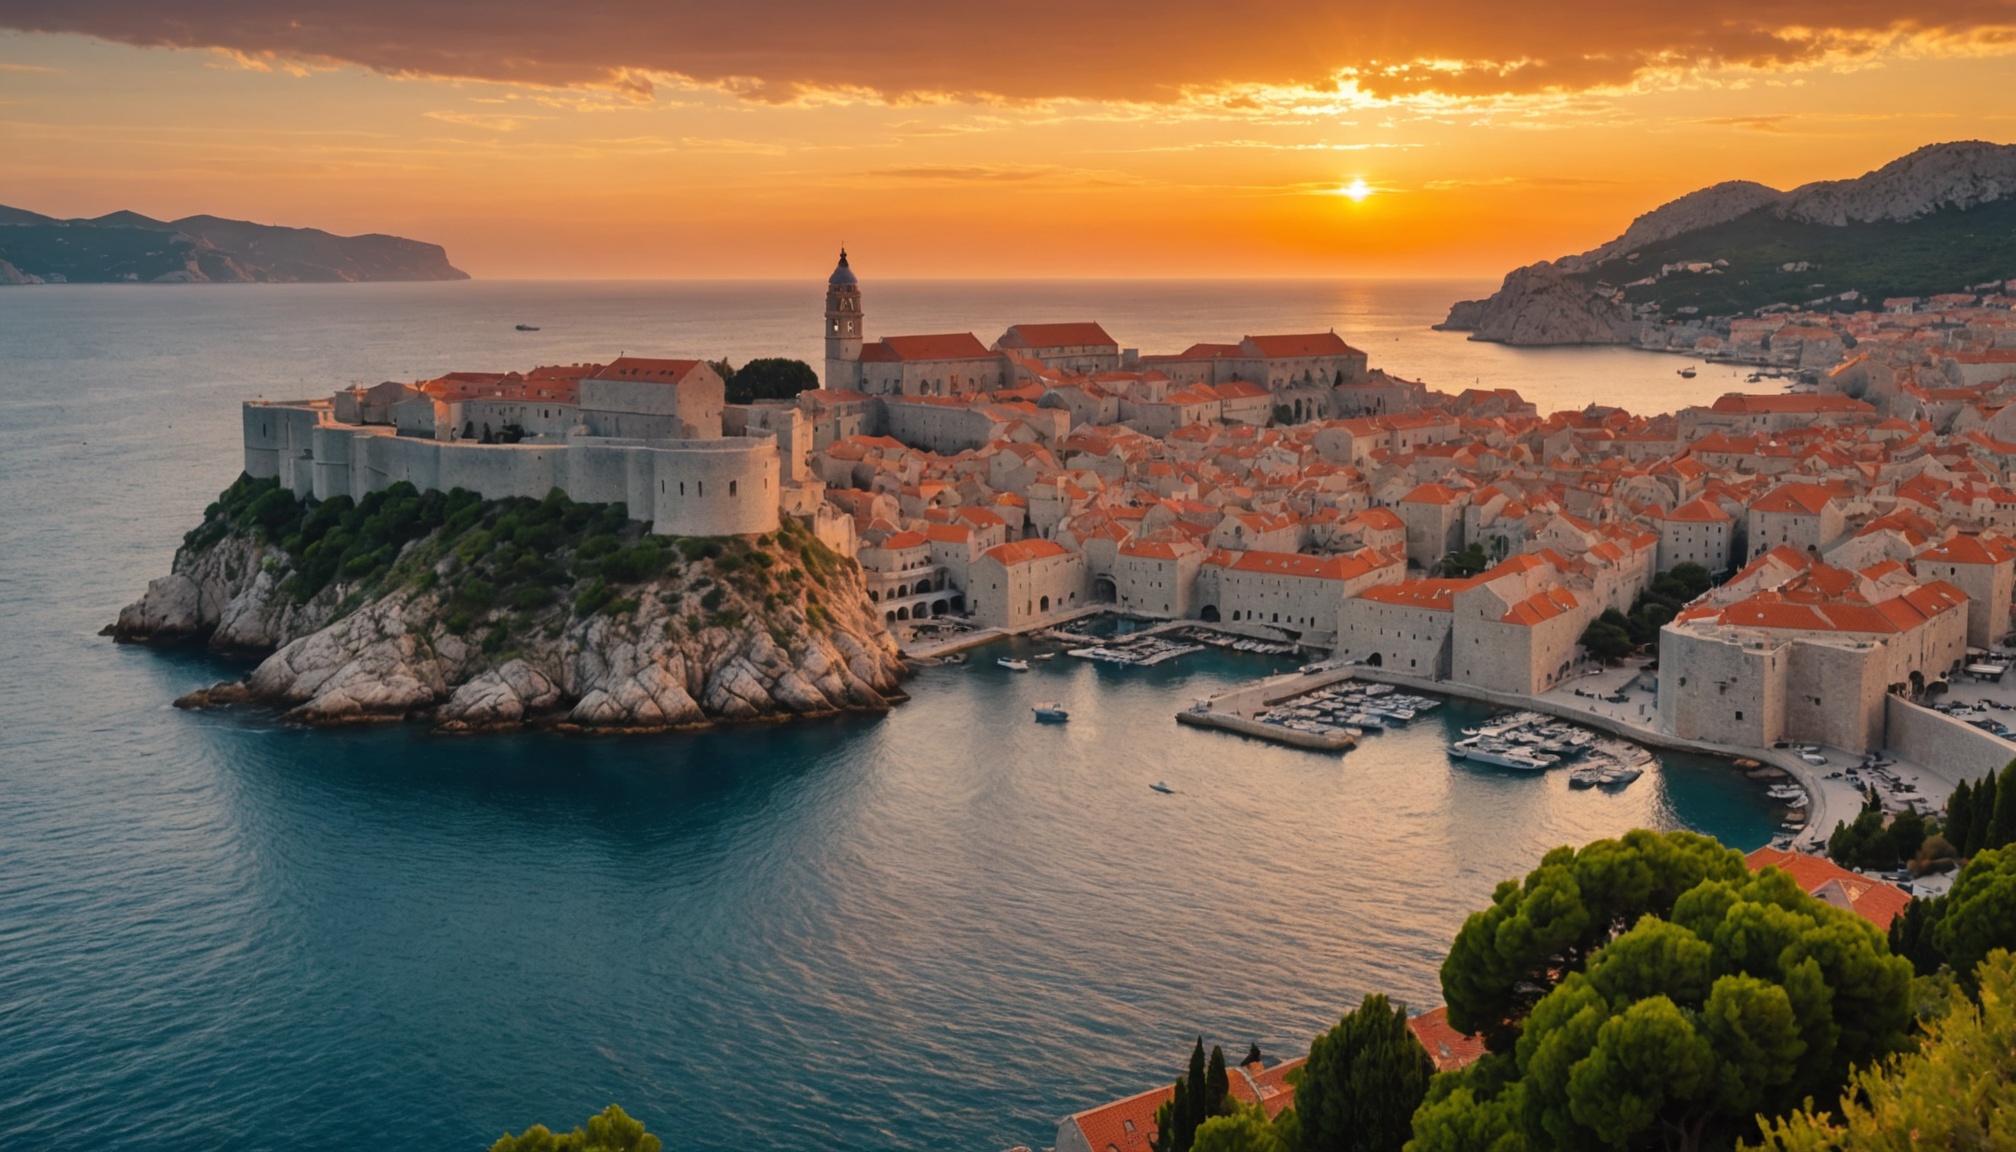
x,y
1363,1081
1534,934
1245,1130
612,1131
1746,998
1201,1093
1957,1091
1978,916
768,378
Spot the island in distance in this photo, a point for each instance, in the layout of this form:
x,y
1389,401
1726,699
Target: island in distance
x,y
1942,219
126,247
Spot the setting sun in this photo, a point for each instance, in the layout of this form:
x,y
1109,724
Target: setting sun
x,y
1356,190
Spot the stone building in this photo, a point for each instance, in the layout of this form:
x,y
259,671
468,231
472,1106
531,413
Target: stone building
x,y
1024,582
1793,649
1799,515
1286,590
644,432
1982,567
1697,532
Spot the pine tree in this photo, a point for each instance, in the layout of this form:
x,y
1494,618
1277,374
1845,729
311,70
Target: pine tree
x,y
1960,817
2002,825
1984,810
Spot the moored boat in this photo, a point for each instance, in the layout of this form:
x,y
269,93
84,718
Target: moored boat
x,y
1050,713
1012,664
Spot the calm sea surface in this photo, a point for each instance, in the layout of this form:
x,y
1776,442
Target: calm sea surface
x,y
939,929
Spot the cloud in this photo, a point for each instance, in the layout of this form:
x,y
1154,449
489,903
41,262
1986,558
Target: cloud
x,y
489,121
1155,51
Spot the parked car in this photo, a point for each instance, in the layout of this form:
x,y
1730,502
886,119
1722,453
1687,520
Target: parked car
x,y
1813,758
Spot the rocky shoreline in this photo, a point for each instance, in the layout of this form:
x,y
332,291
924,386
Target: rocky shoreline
x,y
513,614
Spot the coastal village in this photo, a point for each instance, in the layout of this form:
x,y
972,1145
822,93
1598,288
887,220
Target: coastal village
x,y
1280,490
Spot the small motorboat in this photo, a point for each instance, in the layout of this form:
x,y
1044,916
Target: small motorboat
x,y
1162,787
1044,656
1687,373
1050,713
528,327
1012,664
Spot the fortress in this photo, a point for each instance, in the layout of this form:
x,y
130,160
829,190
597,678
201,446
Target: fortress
x,y
643,431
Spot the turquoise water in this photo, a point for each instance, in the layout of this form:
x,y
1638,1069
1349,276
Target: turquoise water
x,y
941,928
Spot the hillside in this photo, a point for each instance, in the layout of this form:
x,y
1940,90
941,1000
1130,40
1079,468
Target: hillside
x,y
126,247
1941,219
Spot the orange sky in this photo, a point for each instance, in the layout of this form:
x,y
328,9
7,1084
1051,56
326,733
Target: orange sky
x,y
675,138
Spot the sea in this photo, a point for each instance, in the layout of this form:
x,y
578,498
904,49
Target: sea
x,y
942,928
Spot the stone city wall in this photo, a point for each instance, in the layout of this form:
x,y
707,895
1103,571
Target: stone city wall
x,y
1945,747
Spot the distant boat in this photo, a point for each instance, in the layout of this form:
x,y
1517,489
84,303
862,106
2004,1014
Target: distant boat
x,y
1044,656
956,658
1050,713
1687,373
528,327
1013,665
1163,788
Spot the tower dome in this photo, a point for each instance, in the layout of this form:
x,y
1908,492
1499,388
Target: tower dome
x,y
843,276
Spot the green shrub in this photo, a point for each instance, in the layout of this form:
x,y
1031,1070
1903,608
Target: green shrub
x,y
712,599
592,597
531,597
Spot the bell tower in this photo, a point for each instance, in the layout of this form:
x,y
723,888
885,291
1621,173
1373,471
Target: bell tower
x,y
843,327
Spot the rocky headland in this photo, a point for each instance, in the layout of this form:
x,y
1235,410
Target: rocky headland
x,y
473,614
1938,220
127,247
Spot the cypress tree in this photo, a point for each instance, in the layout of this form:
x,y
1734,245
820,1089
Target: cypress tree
x,y
1959,817
1217,1083
2002,825
1170,1121
1984,811
1193,1097
1252,1054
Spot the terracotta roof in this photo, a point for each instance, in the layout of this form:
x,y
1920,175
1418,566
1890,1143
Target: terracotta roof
x,y
1348,567
1804,499
1811,403
948,346
1873,900
1024,551
1431,494
1699,510
1541,606
1126,1125
904,540
646,369
1448,1048
1311,344
1434,595
1968,550
1057,335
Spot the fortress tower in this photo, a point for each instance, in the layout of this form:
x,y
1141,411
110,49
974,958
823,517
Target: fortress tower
x,y
843,327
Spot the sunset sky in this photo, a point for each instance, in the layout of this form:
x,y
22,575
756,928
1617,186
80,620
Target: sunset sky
x,y
694,138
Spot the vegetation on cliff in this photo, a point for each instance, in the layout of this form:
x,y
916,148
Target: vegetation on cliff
x,y
496,611
1777,261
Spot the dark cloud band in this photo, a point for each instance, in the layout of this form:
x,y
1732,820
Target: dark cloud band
x,y
1130,50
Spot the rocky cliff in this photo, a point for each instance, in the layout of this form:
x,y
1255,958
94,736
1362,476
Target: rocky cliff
x,y
1936,220
477,615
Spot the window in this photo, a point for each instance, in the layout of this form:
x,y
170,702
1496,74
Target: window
x,y
731,487
1739,714
699,487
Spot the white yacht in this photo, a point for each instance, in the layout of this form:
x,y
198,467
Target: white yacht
x,y
1012,664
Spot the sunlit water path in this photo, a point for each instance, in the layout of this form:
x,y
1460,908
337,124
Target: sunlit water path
x,y
937,929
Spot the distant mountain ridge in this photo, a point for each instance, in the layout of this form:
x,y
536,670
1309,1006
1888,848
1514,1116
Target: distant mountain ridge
x,y
126,247
1940,219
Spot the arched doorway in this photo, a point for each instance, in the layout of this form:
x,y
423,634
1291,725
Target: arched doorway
x,y
938,607
1104,590
1208,614
902,613
1375,660
1044,604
